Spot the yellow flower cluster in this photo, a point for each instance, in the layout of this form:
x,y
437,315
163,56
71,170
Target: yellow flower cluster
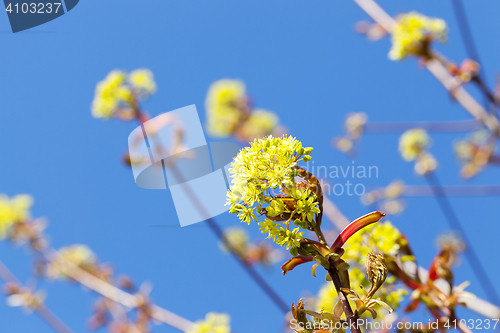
x,y
267,166
224,101
354,127
213,323
79,255
379,237
142,82
474,153
354,124
412,147
412,143
121,90
229,113
237,239
387,198
412,32
13,211
259,123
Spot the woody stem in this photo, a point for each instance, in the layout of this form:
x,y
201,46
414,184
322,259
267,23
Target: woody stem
x,y
350,316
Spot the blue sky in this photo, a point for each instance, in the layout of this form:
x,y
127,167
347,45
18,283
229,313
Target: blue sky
x,y
301,59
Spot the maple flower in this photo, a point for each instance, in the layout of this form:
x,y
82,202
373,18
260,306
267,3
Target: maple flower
x,y
412,143
412,33
264,182
13,211
225,104
213,323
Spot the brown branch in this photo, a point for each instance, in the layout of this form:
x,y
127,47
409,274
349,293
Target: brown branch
x,y
449,190
41,310
115,294
350,316
429,126
441,73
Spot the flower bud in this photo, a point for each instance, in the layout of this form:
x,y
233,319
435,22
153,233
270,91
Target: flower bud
x,y
376,270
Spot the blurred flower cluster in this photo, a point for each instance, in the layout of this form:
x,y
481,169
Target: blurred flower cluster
x,y
474,153
466,71
229,113
213,323
118,93
257,252
77,264
78,255
413,145
12,211
353,128
387,198
24,297
412,34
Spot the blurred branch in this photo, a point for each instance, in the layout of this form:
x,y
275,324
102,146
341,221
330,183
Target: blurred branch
x,y
43,312
449,190
477,305
470,47
429,126
453,221
115,294
333,214
280,303
261,282
435,66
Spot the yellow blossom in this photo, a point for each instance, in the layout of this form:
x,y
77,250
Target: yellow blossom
x,y
354,124
78,255
425,164
224,103
411,33
142,82
380,237
213,323
109,93
474,153
13,211
237,239
270,165
260,123
412,143
119,90
344,144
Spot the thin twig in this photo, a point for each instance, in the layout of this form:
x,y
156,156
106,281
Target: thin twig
x,y
429,126
449,190
438,70
470,47
436,67
41,310
350,316
454,222
268,290
113,293
277,300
